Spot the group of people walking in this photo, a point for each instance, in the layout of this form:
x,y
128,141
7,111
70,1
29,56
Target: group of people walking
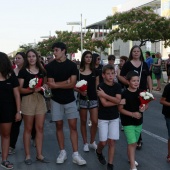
x,y
112,91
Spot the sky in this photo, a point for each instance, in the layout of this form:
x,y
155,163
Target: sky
x,y
26,21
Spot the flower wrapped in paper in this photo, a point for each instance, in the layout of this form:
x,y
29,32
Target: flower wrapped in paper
x,y
82,86
35,83
145,97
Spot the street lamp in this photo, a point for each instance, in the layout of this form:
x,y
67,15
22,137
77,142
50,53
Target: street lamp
x,y
78,23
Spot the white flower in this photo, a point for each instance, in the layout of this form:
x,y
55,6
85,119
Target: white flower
x,y
81,83
33,82
146,97
142,94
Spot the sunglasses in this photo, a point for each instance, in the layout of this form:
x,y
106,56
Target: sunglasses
x,y
98,58
111,59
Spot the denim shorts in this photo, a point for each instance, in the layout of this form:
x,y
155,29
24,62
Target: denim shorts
x,y
59,110
88,104
168,126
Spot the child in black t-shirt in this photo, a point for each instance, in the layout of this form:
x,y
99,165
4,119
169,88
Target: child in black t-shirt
x,y
131,115
109,94
165,100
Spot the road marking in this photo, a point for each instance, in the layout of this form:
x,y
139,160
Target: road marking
x,y
155,136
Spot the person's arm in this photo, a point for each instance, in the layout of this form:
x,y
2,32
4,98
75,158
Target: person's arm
x,y
123,80
151,63
158,64
68,84
149,81
164,102
97,82
18,103
24,90
106,103
101,94
136,115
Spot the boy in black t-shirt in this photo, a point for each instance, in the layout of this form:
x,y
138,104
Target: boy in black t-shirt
x,y
109,94
131,115
62,77
165,100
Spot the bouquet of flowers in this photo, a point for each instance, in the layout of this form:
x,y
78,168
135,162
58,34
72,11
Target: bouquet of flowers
x,y
33,83
82,86
145,97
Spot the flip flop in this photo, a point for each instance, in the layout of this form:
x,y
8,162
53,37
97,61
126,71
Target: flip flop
x,y
43,160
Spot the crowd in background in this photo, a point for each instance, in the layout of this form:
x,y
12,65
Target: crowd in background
x,y
112,94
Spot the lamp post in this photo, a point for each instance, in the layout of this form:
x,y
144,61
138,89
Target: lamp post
x,y
81,38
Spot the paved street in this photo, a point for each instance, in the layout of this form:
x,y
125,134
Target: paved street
x,y
151,157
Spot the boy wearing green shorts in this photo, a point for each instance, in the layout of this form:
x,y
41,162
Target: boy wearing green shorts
x,y
131,115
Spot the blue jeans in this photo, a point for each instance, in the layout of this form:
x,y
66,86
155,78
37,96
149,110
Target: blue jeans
x,y
168,126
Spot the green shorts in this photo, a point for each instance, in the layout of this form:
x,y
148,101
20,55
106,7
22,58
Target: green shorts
x,y
132,133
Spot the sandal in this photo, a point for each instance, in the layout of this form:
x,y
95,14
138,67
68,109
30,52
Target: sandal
x,y
168,158
139,145
43,160
7,165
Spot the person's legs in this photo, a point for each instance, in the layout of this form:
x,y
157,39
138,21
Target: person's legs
x,y
60,134
113,134
33,132
39,126
131,155
15,129
83,122
94,120
28,123
73,133
111,150
159,83
168,128
5,139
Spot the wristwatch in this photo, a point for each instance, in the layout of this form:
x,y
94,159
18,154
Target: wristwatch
x,y
20,112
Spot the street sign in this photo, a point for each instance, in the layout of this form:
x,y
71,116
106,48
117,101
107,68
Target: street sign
x,y
73,23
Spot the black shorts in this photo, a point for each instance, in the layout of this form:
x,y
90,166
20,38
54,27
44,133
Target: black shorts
x,y
7,112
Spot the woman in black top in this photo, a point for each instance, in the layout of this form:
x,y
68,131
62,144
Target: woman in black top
x,y
96,60
10,110
33,104
88,73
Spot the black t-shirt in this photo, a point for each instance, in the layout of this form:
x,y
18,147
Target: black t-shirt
x,y
128,66
99,70
91,85
62,71
166,94
132,105
109,113
27,76
6,89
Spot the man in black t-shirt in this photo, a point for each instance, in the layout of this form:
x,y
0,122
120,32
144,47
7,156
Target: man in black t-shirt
x,y
165,100
62,77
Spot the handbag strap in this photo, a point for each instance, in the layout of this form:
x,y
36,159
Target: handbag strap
x,y
140,73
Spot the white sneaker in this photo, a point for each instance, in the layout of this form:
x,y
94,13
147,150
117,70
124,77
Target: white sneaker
x,y
89,123
86,147
77,159
61,157
136,163
93,145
